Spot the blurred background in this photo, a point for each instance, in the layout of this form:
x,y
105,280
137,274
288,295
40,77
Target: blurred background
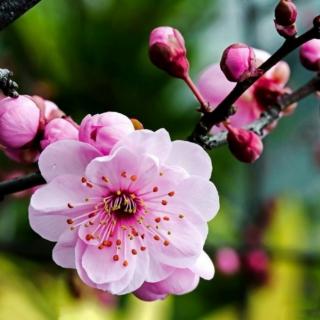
x,y
90,56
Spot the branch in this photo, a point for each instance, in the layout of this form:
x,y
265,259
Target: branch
x,y
270,115
225,108
21,183
10,10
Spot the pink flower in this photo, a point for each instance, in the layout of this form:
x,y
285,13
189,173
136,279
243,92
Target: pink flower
x,y
310,55
104,130
167,51
59,129
136,216
238,62
214,87
19,121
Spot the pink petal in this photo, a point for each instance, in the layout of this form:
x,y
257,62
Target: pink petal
x,y
63,253
124,169
203,267
191,157
181,281
156,143
201,195
66,157
49,227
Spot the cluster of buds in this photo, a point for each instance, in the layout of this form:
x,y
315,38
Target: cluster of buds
x,y
285,18
29,124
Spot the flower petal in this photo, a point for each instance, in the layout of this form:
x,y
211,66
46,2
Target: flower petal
x,y
63,253
204,267
66,157
156,143
191,157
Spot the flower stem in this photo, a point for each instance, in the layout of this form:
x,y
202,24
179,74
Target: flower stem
x,y
204,105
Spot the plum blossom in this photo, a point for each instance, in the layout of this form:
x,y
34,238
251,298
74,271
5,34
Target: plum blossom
x,y
214,87
132,220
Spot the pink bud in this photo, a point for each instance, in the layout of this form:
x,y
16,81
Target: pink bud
x,y
19,121
310,55
167,51
59,129
285,13
285,18
104,130
238,62
245,145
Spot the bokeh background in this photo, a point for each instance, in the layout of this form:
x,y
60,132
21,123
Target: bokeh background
x,y
90,56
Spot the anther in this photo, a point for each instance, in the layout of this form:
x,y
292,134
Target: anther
x,y
123,174
157,220
164,202
142,248
118,242
125,263
70,206
155,189
156,237
107,243
115,257
134,251
166,218
105,179
181,216
171,194
83,180
133,178
118,193
89,237
69,221
166,242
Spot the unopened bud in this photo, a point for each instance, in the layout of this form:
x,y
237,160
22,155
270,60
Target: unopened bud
x,y
19,121
59,129
167,51
310,55
285,18
245,145
238,62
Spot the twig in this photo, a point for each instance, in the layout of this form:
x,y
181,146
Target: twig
x,y
10,10
271,114
20,184
225,108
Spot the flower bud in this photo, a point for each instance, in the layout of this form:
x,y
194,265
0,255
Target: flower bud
x,y
104,130
167,51
286,13
238,62
285,18
310,55
58,129
245,145
19,121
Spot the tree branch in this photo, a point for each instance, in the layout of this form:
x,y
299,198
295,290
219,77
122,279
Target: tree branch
x,y
20,183
270,115
225,108
10,10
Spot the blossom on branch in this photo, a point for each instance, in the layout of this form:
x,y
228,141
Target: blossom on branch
x,y
136,218
214,87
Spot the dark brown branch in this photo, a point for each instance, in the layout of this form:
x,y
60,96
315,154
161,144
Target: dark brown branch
x,y
20,184
10,10
273,113
225,108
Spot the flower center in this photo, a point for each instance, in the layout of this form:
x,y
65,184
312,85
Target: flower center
x,y
122,203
